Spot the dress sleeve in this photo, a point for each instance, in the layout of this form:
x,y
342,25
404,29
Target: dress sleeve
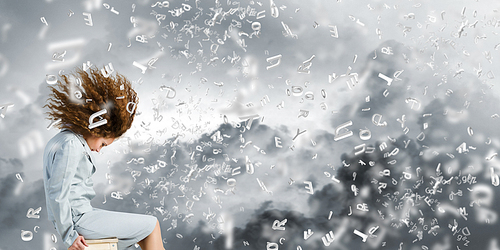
x,y
61,173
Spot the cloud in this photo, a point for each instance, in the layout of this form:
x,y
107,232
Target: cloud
x,y
17,199
441,88
10,166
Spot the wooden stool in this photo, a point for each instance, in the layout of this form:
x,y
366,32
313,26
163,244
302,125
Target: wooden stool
x,y
102,244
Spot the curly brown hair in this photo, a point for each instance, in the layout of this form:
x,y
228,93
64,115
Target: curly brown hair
x,y
76,98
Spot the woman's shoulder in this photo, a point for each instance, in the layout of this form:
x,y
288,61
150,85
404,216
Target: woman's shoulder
x,y
60,139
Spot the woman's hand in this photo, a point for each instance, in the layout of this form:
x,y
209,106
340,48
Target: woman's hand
x,y
79,244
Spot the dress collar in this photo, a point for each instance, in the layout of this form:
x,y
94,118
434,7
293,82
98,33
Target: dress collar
x,y
84,143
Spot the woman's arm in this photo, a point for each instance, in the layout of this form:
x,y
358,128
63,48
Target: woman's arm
x,y
61,173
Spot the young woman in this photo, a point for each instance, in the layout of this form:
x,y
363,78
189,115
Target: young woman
x,y
94,109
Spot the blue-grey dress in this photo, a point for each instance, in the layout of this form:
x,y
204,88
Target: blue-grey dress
x,y
67,176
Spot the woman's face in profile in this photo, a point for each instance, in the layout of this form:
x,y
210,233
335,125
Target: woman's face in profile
x,y
96,143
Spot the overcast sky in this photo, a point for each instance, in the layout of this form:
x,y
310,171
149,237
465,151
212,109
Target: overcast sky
x,y
261,120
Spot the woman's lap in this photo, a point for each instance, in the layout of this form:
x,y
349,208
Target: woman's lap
x,y
129,228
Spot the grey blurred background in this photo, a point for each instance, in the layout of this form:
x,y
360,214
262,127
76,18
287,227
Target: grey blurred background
x,y
269,124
